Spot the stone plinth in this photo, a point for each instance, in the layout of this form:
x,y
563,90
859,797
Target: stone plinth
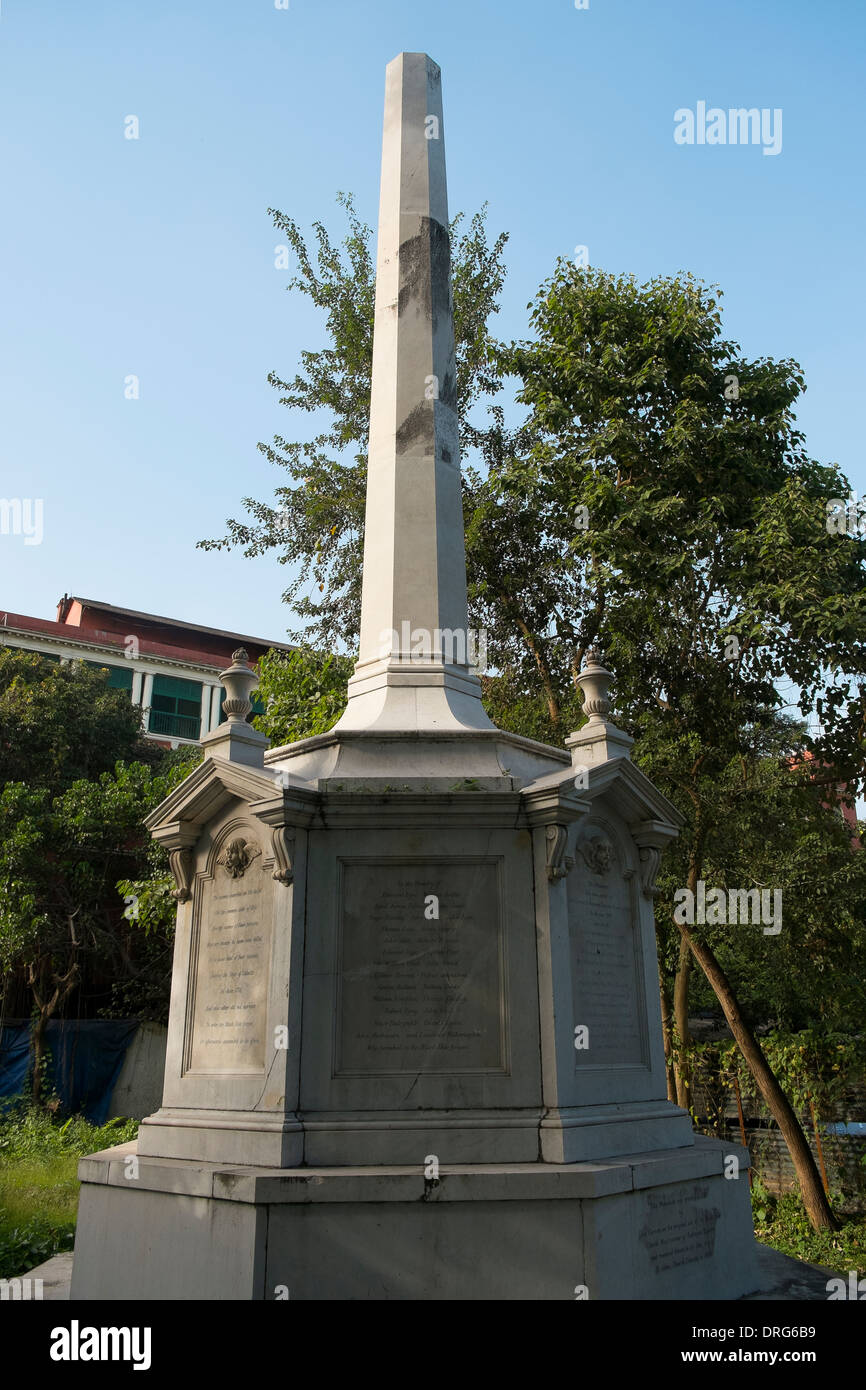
x,y
666,1226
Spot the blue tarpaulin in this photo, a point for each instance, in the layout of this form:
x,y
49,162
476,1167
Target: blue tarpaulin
x,y
14,1057
86,1056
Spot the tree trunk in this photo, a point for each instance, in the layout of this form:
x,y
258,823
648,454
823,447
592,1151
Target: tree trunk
x,y
37,1053
41,977
814,1197
538,656
682,1066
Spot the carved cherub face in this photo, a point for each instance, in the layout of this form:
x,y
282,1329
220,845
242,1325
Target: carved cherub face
x,y
237,857
596,853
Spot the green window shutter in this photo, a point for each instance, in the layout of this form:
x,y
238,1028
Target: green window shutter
x,y
175,707
177,688
119,677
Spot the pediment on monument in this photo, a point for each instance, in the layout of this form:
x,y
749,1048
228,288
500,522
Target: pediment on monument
x,y
628,790
632,794
215,783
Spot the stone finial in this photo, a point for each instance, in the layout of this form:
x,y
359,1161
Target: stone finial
x,y
236,740
598,740
595,681
238,679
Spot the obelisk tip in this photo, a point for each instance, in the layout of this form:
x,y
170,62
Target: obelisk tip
x,y
416,59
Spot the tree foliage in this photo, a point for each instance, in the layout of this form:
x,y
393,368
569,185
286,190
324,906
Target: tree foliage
x,y
77,781
770,827
62,722
686,525
304,693
61,859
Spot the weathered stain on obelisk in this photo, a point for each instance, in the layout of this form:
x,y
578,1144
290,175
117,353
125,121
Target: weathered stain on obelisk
x,y
413,670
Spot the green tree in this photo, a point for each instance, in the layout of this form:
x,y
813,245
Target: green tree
x,y
693,546
304,693
61,722
71,813
60,860
773,829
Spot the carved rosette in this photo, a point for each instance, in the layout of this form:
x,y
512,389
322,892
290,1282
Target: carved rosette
x,y
559,864
181,863
283,841
237,857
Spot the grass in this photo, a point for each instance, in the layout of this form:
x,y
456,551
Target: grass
x,y
38,1184
782,1223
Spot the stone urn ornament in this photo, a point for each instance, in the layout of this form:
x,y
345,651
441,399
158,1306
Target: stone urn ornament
x,y
595,681
239,679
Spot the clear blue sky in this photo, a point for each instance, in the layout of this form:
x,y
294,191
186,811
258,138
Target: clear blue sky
x,y
156,256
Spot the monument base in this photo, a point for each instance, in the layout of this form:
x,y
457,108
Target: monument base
x,y
665,1225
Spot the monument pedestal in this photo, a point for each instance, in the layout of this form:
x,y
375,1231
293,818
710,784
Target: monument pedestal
x,y
369,972
415,1052
662,1226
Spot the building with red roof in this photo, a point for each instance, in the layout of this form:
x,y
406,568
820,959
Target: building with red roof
x,y
170,667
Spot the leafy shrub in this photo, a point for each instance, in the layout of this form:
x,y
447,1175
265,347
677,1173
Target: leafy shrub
x,y
782,1223
30,1132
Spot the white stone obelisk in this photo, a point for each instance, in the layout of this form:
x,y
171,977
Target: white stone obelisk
x,y
414,667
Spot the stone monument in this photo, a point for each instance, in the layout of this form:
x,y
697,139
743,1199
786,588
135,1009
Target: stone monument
x,y
415,1044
